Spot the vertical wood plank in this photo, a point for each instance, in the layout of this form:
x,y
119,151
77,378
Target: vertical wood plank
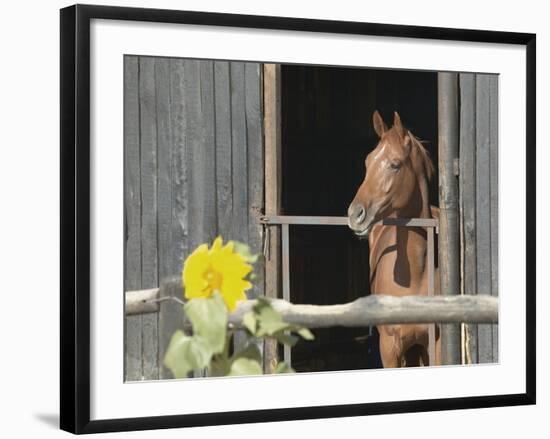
x,y
132,204
254,135
149,175
167,323
209,130
272,136
239,150
200,158
171,315
493,159
483,212
180,206
449,237
468,200
200,152
239,153
224,174
166,266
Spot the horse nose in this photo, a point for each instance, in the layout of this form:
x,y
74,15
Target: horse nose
x,y
356,213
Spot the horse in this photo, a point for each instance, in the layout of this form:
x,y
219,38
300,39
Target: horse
x,y
396,184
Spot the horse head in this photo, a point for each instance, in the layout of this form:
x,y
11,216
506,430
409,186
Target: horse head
x,y
396,178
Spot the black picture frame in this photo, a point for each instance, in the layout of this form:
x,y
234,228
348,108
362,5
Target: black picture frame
x,y
75,217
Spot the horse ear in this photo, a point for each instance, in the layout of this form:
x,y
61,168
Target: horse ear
x,y
397,123
379,125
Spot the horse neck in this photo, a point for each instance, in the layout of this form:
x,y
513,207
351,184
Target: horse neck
x,y
409,270
419,204
409,266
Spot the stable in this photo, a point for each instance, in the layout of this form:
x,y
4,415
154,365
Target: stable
x,y
272,155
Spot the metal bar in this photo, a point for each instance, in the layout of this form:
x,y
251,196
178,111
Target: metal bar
x,y
411,222
343,221
449,241
431,281
286,281
305,220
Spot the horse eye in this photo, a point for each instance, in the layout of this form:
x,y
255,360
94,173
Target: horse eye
x,y
395,165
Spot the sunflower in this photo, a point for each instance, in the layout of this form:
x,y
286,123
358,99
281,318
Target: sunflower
x,y
219,268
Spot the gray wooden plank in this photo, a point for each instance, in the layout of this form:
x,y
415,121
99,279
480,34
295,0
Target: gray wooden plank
x,y
209,151
224,177
132,211
255,166
493,158
149,255
164,169
200,160
239,164
169,316
200,151
179,165
272,180
239,153
483,210
468,199
255,159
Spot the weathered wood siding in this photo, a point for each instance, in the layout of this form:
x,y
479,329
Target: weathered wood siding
x,y
193,153
479,204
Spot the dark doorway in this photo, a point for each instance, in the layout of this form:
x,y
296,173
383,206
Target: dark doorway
x,y
326,133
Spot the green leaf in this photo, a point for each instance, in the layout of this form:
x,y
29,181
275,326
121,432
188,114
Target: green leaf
x,y
250,322
244,251
251,351
270,321
245,366
282,367
305,333
209,320
219,366
287,339
185,354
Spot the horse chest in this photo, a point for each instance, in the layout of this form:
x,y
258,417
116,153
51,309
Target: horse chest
x,y
397,262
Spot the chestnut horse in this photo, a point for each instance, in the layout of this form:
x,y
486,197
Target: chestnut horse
x,y
396,181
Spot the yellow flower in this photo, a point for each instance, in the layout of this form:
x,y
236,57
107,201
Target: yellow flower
x,y
219,268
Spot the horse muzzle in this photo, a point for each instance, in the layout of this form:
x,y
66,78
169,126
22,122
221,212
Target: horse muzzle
x,y
359,221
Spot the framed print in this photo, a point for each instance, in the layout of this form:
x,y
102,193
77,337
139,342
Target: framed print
x,y
268,218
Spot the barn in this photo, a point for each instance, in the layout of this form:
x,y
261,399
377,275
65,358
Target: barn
x,y
272,155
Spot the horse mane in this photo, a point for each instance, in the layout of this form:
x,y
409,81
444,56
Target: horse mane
x,y
424,156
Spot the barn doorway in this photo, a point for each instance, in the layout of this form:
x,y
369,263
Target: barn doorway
x,y
326,132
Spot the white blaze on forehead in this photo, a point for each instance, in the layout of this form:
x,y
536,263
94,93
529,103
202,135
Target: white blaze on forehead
x,y
381,152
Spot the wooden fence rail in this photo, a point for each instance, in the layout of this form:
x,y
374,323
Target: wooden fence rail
x,y
365,311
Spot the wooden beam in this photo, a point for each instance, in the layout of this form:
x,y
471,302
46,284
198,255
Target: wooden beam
x,y
449,238
370,310
272,154
379,309
142,301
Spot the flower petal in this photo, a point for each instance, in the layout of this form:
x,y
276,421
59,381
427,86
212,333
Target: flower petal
x,y
193,270
217,245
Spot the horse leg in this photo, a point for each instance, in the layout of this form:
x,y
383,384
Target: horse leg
x,y
416,355
437,346
390,353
